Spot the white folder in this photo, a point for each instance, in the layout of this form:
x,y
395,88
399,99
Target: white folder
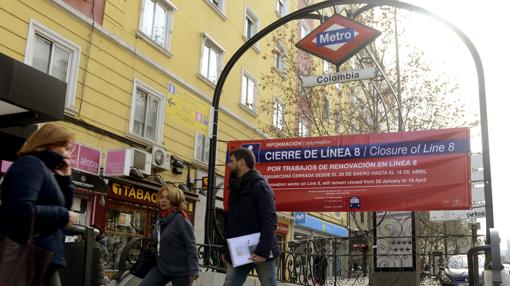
x,y
242,247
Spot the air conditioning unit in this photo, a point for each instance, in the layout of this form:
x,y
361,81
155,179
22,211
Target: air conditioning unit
x,y
141,160
160,158
120,161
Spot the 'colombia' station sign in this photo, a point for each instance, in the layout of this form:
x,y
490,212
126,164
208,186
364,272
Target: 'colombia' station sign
x,y
338,77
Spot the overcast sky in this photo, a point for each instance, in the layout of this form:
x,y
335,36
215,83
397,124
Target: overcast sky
x,y
483,22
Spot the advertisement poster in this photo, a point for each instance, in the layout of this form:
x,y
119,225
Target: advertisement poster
x,y
405,171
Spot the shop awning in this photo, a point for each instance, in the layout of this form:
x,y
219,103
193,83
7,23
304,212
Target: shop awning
x,y
150,185
87,181
146,184
27,95
303,219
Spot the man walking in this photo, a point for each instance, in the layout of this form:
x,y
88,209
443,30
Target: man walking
x,y
251,209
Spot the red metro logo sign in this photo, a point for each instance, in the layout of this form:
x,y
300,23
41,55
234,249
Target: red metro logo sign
x,y
337,39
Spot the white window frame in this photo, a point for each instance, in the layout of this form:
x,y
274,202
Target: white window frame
x,y
138,84
221,9
206,39
325,109
303,128
303,26
338,123
250,14
252,108
36,28
279,58
204,157
171,8
352,96
326,67
284,11
278,116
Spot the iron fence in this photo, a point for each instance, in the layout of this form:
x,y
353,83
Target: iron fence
x,y
334,261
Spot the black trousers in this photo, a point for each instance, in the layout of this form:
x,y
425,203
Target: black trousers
x,y
52,277
155,278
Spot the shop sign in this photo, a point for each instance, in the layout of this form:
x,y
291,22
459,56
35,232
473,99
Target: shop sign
x,y
403,171
5,165
87,181
457,214
299,217
314,223
85,158
133,193
282,228
117,163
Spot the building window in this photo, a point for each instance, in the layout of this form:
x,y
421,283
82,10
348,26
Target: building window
x,y
338,215
251,23
156,21
248,91
326,67
278,115
210,62
51,53
147,113
218,5
281,7
279,58
325,109
337,122
352,96
303,128
362,214
305,29
201,147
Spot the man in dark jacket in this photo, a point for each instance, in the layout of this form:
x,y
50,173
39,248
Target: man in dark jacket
x,y
251,209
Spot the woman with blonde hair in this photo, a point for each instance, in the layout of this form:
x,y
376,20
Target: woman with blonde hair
x,y
176,252
38,187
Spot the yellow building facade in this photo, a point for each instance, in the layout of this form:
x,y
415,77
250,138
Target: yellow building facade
x,y
141,74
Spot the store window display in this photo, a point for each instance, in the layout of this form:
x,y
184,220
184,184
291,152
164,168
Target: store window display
x,y
125,221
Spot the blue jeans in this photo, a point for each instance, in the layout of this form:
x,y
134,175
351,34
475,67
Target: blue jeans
x,y
266,272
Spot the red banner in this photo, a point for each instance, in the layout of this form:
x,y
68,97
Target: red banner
x,y
406,171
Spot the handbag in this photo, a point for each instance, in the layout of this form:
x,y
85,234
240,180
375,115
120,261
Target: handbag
x,y
23,264
144,264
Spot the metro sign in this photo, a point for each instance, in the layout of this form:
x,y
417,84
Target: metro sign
x,y
337,39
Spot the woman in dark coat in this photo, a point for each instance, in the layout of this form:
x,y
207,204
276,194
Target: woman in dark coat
x,y
38,186
176,252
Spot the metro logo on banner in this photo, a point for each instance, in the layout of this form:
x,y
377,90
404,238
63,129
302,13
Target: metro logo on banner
x,y
406,171
337,39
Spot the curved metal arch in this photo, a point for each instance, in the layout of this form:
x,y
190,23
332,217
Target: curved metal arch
x,y
307,13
